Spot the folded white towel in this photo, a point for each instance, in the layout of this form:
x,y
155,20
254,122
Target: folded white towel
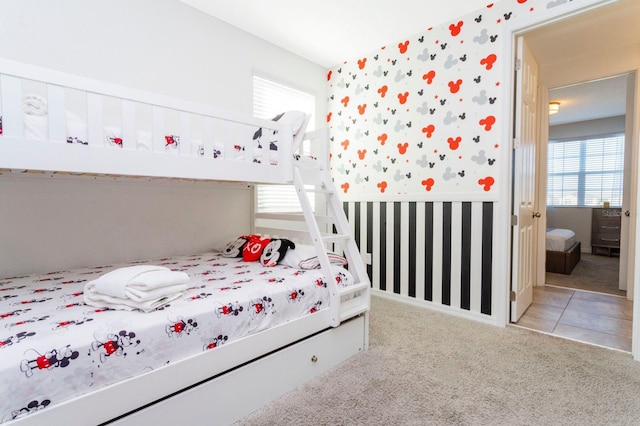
x,y
144,287
34,105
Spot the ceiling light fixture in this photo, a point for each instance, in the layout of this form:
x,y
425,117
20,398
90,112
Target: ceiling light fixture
x,y
554,107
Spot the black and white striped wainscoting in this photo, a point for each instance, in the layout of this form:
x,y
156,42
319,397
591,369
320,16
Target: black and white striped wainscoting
x,y
440,252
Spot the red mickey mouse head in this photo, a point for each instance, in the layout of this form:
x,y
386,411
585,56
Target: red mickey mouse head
x,y
454,143
382,186
329,74
362,62
362,108
345,187
345,101
362,153
428,131
488,122
489,61
383,91
403,46
345,144
522,1
382,138
329,115
454,86
486,183
402,97
429,76
428,183
455,28
402,148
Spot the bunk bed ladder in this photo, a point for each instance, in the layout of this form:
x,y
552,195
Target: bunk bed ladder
x,y
345,302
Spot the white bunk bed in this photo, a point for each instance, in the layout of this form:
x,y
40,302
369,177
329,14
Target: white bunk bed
x,y
155,136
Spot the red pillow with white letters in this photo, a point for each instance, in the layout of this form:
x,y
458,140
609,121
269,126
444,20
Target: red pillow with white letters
x,y
253,249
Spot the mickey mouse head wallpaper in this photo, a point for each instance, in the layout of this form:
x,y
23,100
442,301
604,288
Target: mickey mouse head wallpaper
x,y
425,109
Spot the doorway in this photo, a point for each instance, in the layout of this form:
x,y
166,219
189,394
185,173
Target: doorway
x,y
586,177
586,304
563,64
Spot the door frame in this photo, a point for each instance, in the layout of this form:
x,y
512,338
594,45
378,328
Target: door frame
x,y
512,31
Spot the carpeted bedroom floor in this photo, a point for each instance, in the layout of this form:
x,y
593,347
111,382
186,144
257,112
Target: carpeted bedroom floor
x,y
427,368
592,273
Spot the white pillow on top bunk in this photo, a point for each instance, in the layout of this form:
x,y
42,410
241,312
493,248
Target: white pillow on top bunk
x,y
294,118
298,121
77,130
36,121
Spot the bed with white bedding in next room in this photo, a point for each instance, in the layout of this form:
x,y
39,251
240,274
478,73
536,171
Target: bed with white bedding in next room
x,y
563,250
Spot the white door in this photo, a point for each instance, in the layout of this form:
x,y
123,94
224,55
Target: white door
x,y
524,178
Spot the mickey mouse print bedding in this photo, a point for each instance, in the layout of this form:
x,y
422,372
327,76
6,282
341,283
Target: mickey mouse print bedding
x,y
54,346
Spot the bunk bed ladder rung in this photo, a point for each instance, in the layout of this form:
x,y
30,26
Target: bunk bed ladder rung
x,y
356,297
353,288
293,217
334,238
319,191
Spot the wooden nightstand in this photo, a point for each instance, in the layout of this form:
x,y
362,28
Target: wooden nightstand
x,y
605,231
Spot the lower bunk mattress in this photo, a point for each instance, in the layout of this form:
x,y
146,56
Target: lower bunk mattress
x,y
54,347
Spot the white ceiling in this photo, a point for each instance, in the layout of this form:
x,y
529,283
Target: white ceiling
x,y
329,32
588,101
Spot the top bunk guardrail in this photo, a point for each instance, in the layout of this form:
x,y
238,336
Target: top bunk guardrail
x,y
58,122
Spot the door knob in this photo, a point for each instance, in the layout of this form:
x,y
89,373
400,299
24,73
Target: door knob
x,y
627,213
537,214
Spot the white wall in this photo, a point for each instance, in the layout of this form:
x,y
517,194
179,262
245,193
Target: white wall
x,y
600,126
578,219
160,46
52,223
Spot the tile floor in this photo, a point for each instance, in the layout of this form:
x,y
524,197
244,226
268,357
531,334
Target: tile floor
x,y
596,318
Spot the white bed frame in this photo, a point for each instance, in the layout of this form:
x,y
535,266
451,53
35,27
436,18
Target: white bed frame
x,y
225,384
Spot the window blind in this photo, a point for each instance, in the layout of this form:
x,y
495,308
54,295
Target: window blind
x,y
271,98
586,172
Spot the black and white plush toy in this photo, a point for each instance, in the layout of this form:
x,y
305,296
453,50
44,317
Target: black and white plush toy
x,y
234,247
275,251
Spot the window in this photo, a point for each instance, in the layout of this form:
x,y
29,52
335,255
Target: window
x,y
586,172
270,99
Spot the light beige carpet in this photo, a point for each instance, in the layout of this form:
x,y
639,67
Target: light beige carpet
x,y
426,368
592,273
